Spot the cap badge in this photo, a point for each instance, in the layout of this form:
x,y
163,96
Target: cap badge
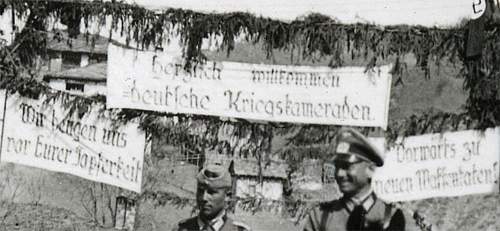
x,y
343,147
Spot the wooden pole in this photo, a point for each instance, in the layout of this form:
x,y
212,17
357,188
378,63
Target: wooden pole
x,y
3,123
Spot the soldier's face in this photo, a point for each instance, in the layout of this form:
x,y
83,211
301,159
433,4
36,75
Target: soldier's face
x,y
210,200
352,177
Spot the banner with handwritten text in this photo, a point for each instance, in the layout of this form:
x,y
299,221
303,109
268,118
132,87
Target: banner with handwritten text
x,y
440,165
299,94
89,146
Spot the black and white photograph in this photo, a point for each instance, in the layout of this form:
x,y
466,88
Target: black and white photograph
x,y
249,115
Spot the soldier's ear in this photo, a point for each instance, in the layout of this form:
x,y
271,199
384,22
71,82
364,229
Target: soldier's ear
x,y
228,199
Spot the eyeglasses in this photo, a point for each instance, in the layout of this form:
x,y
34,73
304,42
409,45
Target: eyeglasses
x,y
345,165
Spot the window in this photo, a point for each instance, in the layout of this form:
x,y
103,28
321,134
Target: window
x,y
94,58
70,60
74,87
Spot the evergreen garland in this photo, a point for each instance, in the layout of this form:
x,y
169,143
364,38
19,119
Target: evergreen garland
x,y
316,36
481,79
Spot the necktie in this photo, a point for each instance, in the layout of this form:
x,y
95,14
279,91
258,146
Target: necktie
x,y
356,220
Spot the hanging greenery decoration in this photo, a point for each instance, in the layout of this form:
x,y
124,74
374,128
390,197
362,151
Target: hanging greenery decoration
x,y
481,79
316,35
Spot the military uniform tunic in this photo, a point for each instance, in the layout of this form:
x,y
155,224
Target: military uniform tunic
x,y
192,224
337,216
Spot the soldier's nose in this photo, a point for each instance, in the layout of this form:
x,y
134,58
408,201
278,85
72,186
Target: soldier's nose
x,y
340,172
205,196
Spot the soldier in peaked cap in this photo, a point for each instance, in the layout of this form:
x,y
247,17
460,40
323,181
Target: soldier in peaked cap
x,y
212,194
355,160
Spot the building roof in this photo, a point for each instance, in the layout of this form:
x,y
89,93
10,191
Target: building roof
x,y
94,72
83,43
241,167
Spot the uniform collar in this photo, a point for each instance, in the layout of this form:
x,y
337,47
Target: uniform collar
x,y
367,200
215,223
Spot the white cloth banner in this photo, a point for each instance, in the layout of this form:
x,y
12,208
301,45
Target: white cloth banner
x,y
299,94
45,136
381,12
440,165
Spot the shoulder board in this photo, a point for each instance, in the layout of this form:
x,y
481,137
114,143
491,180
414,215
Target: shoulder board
x,y
241,226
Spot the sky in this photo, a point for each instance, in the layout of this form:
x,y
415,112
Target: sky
x,y
442,13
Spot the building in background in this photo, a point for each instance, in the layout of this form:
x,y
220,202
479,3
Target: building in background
x,y
76,65
247,182
66,53
88,80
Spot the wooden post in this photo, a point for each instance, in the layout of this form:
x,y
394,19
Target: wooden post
x,y
126,212
3,123
13,21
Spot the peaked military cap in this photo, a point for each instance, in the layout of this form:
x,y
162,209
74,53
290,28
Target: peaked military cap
x,y
351,144
214,176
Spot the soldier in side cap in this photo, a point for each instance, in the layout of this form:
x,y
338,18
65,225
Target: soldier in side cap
x,y
355,160
212,194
